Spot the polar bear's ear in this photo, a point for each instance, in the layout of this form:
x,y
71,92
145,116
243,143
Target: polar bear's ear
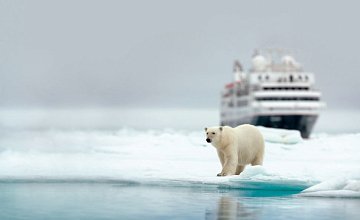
x,y
221,128
205,129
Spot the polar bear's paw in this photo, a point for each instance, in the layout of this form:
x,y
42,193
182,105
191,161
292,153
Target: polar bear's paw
x,y
223,174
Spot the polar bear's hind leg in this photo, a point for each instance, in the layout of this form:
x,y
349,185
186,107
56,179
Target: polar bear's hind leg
x,y
258,160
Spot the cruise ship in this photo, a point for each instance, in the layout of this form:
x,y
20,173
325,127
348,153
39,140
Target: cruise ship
x,y
276,92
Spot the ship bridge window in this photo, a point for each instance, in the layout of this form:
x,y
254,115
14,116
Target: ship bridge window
x,y
262,78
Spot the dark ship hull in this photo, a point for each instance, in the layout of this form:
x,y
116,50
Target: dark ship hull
x,y
302,123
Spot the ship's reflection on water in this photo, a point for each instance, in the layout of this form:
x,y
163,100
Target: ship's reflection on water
x,y
232,206
245,204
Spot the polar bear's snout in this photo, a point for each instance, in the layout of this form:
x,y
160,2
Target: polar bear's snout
x,y
212,134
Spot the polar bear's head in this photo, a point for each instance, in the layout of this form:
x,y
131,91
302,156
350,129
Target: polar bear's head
x,y
213,134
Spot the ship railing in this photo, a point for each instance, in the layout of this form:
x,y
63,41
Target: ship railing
x,y
293,105
288,93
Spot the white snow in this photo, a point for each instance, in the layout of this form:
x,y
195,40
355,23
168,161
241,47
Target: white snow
x,y
338,187
276,135
328,163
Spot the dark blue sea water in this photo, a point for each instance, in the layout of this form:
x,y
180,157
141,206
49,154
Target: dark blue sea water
x,y
127,200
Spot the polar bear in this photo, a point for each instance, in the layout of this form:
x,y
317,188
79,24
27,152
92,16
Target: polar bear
x,y
236,147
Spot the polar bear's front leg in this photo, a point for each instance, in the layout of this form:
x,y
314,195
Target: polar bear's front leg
x,y
230,165
221,158
239,169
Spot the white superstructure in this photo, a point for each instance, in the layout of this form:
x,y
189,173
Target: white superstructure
x,y
276,92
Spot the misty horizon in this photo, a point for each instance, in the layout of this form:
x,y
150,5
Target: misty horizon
x,y
166,55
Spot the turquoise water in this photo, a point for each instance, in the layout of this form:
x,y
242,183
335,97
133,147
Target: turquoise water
x,y
128,200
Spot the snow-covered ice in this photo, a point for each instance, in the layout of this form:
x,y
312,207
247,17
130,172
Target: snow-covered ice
x,y
277,135
327,165
337,187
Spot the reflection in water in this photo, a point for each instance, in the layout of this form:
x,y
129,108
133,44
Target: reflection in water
x,y
126,200
230,208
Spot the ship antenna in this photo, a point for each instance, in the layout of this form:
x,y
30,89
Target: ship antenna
x,y
256,52
237,66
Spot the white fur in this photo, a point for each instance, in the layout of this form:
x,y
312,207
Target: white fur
x,y
237,147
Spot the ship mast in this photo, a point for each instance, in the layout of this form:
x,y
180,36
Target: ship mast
x,y
239,74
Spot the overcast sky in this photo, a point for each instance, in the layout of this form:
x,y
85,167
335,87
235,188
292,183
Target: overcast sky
x,y
167,53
